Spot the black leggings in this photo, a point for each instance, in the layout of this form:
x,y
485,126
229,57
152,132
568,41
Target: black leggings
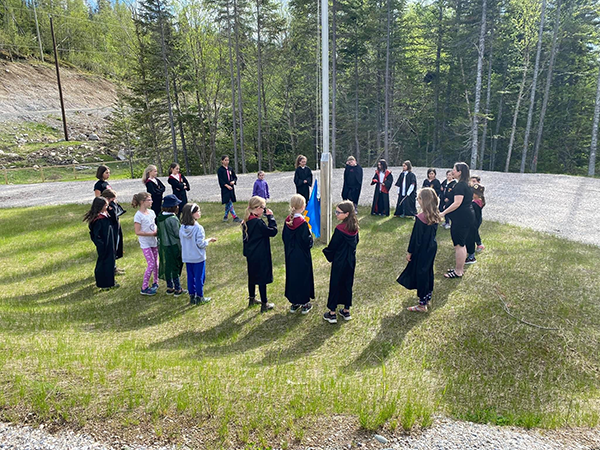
x,y
262,289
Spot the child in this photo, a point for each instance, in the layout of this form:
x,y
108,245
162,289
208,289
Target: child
x,y
474,244
227,179
422,249
257,250
144,223
472,182
114,212
169,246
193,252
432,182
407,192
101,233
179,183
297,242
155,187
341,252
261,188
446,198
383,180
303,178
353,177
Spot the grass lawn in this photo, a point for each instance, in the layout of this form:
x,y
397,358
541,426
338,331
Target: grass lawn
x,y
70,354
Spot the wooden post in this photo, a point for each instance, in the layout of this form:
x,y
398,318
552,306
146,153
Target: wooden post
x,y
74,172
42,173
6,175
62,102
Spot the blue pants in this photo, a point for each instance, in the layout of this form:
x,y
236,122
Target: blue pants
x,y
229,209
196,274
174,284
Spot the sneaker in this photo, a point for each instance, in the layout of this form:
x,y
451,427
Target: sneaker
x,y
295,308
480,248
306,308
447,226
193,299
119,271
330,317
237,219
253,301
179,292
170,291
148,291
345,314
202,300
155,286
225,219
470,260
264,307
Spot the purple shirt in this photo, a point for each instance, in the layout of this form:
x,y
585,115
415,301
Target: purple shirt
x,y
261,188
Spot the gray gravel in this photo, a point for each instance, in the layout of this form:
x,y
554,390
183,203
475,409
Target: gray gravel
x,y
563,205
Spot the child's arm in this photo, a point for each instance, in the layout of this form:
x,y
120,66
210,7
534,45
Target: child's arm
x,y
267,190
334,244
138,230
269,230
201,240
255,188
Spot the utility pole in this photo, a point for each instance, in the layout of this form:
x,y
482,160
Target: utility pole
x,y
325,156
37,27
62,102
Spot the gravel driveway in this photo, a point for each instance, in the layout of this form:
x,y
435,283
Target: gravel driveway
x,y
559,204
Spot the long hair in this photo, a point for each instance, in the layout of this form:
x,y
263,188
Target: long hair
x,y
147,171
383,164
100,172
429,205
187,214
431,171
97,206
139,198
463,168
253,203
297,164
408,165
172,167
351,221
297,202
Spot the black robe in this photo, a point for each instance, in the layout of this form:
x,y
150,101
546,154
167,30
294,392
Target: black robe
x,y
341,252
257,249
381,198
303,188
418,273
156,190
408,206
227,194
180,189
101,233
114,211
446,194
299,279
353,177
435,185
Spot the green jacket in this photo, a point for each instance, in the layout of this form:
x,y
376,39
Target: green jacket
x,y
169,246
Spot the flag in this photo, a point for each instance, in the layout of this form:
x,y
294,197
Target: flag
x,y
313,211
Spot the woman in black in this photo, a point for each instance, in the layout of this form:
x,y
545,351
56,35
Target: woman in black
x,y
180,185
353,176
462,216
227,179
155,188
407,192
382,180
103,173
432,182
303,178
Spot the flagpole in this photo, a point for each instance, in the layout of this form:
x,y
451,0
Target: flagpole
x,y
325,156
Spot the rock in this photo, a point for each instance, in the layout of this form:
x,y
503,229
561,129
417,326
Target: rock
x,y
380,438
52,153
93,137
75,161
122,155
81,137
36,167
1,152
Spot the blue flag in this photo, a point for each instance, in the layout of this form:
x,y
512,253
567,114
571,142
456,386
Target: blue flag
x,y
313,211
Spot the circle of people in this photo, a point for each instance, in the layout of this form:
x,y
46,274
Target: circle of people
x,y
169,233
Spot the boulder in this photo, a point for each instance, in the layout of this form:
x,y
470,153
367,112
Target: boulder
x,y
93,137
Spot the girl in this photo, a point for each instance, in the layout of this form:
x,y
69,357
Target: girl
x,y
447,189
261,188
303,178
155,187
144,223
257,250
432,182
353,177
193,252
383,180
474,243
102,236
179,183
114,212
422,249
169,246
103,173
462,216
407,192
297,242
227,179
341,252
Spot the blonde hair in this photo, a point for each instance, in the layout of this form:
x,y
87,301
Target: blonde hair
x,y
350,158
429,205
139,198
253,203
297,202
147,171
351,221
298,159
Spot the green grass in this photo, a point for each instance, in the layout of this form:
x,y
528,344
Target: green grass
x,y
72,355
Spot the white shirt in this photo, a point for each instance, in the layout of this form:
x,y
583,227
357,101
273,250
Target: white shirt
x,y
381,178
147,225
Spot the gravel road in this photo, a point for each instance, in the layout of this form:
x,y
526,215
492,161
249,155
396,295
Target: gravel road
x,y
559,204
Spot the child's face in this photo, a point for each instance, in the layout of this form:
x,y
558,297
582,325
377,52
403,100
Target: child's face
x,y
303,162
261,176
225,162
472,181
258,212
153,173
196,215
405,167
104,208
106,174
148,202
449,176
476,196
431,176
340,215
175,170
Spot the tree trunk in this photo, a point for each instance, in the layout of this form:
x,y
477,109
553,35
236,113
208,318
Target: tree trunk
x,y
233,118
513,130
481,51
386,132
488,97
356,141
239,82
498,121
163,50
181,132
594,145
259,90
553,52
536,68
333,79
436,95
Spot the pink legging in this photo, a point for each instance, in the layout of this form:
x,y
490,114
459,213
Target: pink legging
x,y
151,255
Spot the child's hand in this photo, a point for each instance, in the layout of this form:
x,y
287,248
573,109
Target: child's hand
x,y
268,212
153,232
232,182
212,240
228,187
408,256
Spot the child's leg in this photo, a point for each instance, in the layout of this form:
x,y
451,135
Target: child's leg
x,y
150,267
262,289
251,289
155,258
191,279
176,284
170,284
199,277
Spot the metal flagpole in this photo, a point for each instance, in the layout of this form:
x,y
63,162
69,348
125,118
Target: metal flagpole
x,y
325,156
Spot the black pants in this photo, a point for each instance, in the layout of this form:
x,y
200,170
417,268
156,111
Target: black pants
x,y
262,289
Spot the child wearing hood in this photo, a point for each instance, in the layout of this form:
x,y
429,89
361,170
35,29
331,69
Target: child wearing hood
x,y
169,246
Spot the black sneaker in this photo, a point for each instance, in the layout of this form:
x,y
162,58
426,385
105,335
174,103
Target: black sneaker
x,y
179,292
170,291
345,314
306,308
264,307
330,317
470,260
295,308
237,219
193,299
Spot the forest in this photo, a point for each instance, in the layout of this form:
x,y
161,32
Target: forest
x,y
505,85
